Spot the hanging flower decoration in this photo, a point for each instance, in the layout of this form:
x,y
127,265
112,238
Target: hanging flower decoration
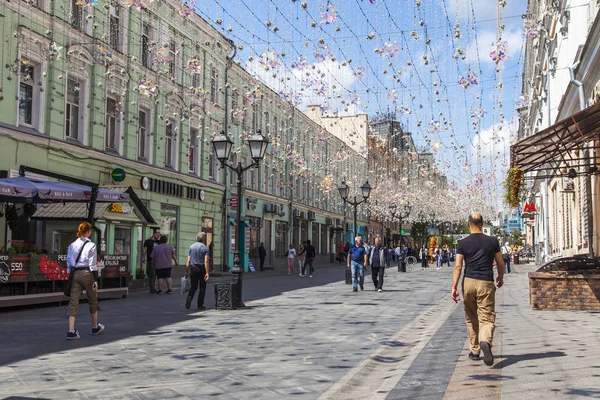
x,y
86,3
52,51
464,82
478,112
103,56
371,1
325,109
185,9
393,96
193,66
499,51
301,64
363,151
238,116
521,103
412,156
199,92
512,186
321,136
326,185
329,14
291,97
140,5
390,49
436,146
355,99
404,109
435,127
161,56
359,72
146,87
320,87
340,156
269,60
472,78
322,52
116,109
530,28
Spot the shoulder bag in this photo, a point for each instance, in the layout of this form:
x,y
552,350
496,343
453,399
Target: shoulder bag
x,y
69,282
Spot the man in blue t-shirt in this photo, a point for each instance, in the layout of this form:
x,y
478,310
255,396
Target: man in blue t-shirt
x,y
479,252
357,260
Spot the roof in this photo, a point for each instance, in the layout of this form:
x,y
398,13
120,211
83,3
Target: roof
x,y
555,144
68,211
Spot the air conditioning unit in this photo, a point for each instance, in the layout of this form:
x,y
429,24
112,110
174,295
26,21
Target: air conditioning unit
x,y
296,213
302,215
312,215
328,221
338,222
269,208
348,226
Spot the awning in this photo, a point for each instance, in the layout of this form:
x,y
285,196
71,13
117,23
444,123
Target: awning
x,y
29,190
79,211
555,144
67,211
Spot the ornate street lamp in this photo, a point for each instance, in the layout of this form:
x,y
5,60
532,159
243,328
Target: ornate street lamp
x,y
366,192
222,146
404,214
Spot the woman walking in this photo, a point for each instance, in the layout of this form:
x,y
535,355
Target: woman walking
x,y
162,257
301,258
81,263
438,258
291,254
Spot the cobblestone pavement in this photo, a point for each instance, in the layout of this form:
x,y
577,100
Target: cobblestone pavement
x,y
302,338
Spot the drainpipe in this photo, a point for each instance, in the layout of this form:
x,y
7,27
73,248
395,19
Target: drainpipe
x,y
588,176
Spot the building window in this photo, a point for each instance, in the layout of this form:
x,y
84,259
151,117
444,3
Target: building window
x,y
168,223
232,174
146,32
196,80
234,106
26,93
272,180
169,145
214,86
112,125
77,21
275,126
254,117
72,114
144,124
211,166
267,124
193,151
114,33
172,59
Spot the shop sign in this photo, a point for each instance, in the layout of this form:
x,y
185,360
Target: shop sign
x,y
233,202
118,174
252,204
120,208
114,265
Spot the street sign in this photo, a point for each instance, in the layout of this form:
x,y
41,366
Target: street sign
x,y
233,202
118,174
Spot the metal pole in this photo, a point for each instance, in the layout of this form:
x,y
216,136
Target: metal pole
x,y
237,270
355,205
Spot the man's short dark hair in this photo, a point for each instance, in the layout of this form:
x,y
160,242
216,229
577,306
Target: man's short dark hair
x,y
476,219
308,242
163,239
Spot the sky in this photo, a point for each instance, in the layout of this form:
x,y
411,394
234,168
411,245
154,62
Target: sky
x,y
407,56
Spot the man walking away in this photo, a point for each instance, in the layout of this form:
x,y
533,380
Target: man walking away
x,y
357,259
379,261
149,246
310,252
424,261
262,254
479,252
506,254
398,253
197,268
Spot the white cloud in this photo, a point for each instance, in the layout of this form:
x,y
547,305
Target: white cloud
x,y
494,142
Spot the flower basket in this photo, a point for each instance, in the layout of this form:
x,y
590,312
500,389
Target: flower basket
x,y
512,187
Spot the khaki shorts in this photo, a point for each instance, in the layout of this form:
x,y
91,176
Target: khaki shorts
x,y
82,280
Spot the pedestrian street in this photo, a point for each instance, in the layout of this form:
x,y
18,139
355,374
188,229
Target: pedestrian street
x,y
300,338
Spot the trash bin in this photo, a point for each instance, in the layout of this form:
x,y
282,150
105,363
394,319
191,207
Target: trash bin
x,y
515,259
401,266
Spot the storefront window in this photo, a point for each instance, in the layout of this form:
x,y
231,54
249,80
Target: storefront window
x,y
168,223
122,240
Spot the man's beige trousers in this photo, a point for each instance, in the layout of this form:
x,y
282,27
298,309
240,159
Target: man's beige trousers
x,y
479,298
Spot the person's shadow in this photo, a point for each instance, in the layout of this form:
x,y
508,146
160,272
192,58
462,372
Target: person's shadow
x,y
513,359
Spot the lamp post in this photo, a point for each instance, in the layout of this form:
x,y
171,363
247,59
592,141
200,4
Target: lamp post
x,y
222,146
366,192
405,213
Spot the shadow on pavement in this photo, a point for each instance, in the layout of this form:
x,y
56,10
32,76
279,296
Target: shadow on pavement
x,y
34,333
593,393
510,359
490,377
